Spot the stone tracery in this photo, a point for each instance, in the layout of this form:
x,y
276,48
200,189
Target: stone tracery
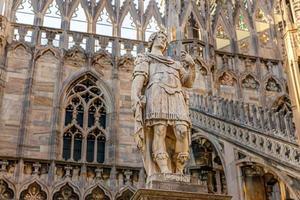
x,y
33,192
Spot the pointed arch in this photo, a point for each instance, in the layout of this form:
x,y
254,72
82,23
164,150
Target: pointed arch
x,y
33,191
191,9
52,16
125,193
128,27
7,190
98,190
152,27
66,190
249,81
104,23
152,11
25,13
90,122
34,188
209,146
79,19
222,34
270,169
104,4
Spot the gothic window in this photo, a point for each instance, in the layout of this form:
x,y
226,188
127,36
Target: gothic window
x,y
79,20
192,28
34,191
25,13
104,24
160,3
5,192
128,28
52,17
151,28
222,38
84,122
66,192
97,194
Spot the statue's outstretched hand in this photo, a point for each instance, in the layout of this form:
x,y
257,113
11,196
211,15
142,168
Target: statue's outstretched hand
x,y
185,57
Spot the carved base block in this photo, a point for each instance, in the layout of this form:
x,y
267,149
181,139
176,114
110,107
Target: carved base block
x,y
174,187
174,182
150,194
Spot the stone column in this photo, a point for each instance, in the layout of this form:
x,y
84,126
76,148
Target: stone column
x,y
231,172
291,40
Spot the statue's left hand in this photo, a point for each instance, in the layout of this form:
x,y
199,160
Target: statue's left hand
x,y
185,57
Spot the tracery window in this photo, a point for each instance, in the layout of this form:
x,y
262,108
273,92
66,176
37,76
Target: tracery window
x,y
25,13
79,20
128,28
151,28
104,24
85,122
52,17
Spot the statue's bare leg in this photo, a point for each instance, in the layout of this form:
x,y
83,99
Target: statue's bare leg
x,y
181,147
159,149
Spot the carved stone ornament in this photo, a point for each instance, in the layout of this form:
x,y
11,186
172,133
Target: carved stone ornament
x,y
160,106
101,59
273,86
249,82
5,191
34,192
75,56
66,193
126,62
97,194
226,79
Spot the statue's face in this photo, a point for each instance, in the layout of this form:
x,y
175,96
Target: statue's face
x,y
160,41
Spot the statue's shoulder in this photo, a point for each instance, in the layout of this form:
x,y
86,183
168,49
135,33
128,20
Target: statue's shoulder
x,y
141,57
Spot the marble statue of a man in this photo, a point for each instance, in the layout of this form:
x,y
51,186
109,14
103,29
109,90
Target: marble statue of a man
x,y
160,106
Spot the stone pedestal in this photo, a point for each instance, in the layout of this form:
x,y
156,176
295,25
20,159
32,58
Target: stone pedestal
x,y
174,187
151,194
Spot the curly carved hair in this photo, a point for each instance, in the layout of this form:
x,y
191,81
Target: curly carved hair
x,y
153,37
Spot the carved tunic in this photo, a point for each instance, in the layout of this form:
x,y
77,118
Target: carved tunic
x,y
165,100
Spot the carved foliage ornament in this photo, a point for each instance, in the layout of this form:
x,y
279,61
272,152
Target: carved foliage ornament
x,y
34,192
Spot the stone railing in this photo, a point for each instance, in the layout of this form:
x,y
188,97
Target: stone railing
x,y
266,132
56,172
90,43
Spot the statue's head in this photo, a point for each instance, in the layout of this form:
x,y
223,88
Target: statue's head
x,y
158,39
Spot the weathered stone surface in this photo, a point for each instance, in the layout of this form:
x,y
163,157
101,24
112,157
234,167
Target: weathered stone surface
x,y
148,194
